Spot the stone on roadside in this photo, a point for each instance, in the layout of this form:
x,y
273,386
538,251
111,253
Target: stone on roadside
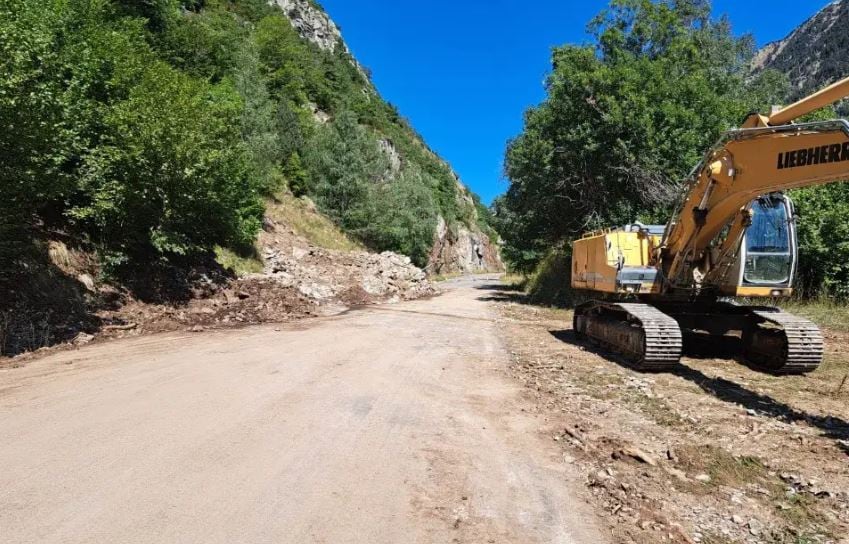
x,y
638,454
82,339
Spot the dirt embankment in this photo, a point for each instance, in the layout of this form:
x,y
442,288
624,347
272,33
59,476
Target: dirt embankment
x,y
64,304
712,452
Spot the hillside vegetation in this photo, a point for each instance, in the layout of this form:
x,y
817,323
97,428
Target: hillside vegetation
x,y
152,130
814,54
627,116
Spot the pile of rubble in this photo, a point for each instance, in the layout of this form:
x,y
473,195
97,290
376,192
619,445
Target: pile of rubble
x,y
299,280
354,277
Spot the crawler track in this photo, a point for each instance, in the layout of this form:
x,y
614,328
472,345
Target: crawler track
x,y
644,336
782,343
650,339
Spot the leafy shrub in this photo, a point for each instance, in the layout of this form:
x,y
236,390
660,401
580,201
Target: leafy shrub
x,y
823,232
550,283
403,217
145,159
297,176
172,179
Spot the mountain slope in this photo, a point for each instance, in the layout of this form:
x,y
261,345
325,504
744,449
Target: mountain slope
x,y
461,239
154,150
813,55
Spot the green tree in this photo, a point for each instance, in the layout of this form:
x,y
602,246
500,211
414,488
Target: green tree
x,y
297,176
170,180
210,44
626,117
823,232
63,63
346,161
403,216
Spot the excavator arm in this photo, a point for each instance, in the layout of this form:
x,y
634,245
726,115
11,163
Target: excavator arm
x,y
767,155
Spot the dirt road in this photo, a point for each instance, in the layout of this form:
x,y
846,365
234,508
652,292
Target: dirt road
x,y
388,424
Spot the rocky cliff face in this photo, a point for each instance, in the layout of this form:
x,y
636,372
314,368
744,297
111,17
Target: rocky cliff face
x,y
312,23
813,55
457,248
462,250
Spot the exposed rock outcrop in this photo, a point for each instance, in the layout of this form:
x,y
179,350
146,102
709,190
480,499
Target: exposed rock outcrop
x,y
462,250
392,156
814,54
312,23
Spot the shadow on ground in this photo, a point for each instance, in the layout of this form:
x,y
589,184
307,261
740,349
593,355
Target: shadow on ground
x,y
727,390
499,292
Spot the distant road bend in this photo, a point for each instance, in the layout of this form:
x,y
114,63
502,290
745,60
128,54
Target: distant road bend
x,y
393,424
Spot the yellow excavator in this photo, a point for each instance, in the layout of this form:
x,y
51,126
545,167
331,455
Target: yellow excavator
x,y
732,234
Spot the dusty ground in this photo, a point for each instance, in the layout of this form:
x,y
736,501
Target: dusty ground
x,y
389,424
713,452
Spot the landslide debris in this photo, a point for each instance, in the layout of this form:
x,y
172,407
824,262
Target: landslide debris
x,y
299,279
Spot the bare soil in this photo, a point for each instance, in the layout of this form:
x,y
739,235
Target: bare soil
x,y
711,452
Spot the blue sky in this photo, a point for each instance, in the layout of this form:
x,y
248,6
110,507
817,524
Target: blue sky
x,y
464,71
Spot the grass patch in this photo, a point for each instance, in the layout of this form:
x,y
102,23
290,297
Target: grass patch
x,y
656,409
242,263
302,217
799,510
516,282
722,467
824,312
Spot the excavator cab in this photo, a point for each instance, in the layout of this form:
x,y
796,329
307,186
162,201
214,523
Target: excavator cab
x,y
765,263
769,246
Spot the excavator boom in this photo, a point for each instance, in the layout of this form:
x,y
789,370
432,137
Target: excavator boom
x,y
746,164
812,103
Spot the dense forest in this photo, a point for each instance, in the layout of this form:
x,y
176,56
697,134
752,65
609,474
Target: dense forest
x,y
153,129
627,116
